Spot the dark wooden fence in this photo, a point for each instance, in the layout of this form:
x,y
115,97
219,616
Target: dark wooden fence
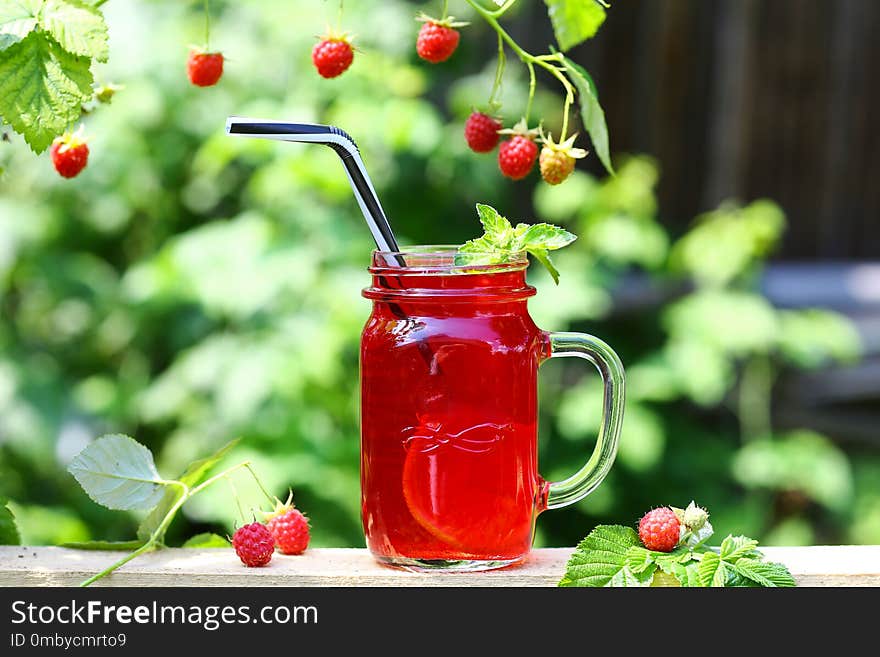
x,y
747,99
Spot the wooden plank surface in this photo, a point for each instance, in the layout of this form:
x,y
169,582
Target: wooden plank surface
x,y
53,566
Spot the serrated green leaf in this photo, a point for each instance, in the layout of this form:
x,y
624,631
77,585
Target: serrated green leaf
x,y
77,26
764,573
118,472
543,236
736,547
9,534
711,571
42,88
638,559
574,21
498,228
190,477
625,577
600,556
592,114
206,540
687,574
18,18
124,546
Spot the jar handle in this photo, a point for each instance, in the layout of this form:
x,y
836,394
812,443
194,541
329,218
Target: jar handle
x,y
584,481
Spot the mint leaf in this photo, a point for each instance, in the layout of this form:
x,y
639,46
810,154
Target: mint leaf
x,y
126,546
764,573
118,472
78,27
42,88
543,236
206,540
17,19
191,477
711,571
8,528
574,21
501,241
543,257
601,558
592,114
735,547
497,228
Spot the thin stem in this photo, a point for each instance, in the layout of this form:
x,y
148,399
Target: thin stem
x,y
498,13
149,545
445,10
208,25
527,58
260,484
531,90
339,17
237,500
98,3
202,486
499,73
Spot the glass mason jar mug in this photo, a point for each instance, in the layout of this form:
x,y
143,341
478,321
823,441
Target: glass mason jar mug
x,y
449,459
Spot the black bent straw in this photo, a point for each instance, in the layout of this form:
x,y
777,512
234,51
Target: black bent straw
x,y
345,147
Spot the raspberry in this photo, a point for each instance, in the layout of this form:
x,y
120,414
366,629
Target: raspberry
x,y
204,68
556,166
253,544
517,156
436,41
70,154
481,132
332,56
659,529
290,528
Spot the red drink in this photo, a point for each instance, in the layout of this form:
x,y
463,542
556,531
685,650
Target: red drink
x,y
449,362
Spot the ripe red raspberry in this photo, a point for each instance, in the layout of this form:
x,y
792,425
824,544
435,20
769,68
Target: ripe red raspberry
x,y
290,528
332,56
659,529
436,41
517,156
70,154
556,166
204,68
481,132
253,544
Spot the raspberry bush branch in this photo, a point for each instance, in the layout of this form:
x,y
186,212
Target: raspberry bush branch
x,y
119,473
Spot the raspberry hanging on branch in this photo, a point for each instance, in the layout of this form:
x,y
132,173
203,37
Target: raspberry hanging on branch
x,y
205,68
574,21
333,54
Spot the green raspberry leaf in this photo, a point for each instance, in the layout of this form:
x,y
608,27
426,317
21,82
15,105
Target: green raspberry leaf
x,y
42,88
190,477
18,18
118,472
8,528
638,559
592,114
125,546
206,540
764,573
574,21
77,26
712,571
601,558
736,547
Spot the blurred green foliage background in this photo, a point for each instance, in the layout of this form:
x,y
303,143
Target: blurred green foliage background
x,y
189,288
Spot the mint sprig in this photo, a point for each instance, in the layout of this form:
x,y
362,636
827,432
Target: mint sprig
x,y
612,555
501,241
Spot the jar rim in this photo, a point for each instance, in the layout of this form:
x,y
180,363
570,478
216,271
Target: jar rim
x,y
440,258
